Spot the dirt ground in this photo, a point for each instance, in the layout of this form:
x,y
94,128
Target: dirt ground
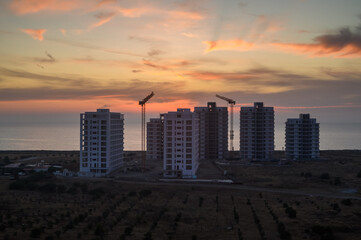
x,y
267,202
108,209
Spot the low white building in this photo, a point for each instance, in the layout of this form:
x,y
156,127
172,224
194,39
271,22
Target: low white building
x,y
101,142
181,144
302,138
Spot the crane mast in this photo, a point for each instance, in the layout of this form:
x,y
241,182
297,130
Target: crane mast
x,y
231,102
142,103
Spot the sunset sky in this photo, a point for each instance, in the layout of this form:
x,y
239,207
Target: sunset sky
x,y
71,56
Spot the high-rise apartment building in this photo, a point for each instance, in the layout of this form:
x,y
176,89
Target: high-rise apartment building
x,y
181,144
302,138
155,138
213,131
101,142
257,132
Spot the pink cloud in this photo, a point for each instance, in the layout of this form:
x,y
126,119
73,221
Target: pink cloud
x,y
35,33
135,12
189,35
23,7
63,31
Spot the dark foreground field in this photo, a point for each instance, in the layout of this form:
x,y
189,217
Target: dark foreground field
x,y
59,208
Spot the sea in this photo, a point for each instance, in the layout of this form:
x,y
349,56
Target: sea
x,y
62,133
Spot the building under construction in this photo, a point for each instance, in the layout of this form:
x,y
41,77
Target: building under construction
x,y
155,139
257,132
213,131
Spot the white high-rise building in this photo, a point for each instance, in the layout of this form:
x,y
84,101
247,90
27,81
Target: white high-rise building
x,y
101,142
302,138
257,132
181,144
155,139
213,131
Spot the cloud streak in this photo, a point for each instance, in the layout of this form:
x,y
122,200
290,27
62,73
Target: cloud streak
x,y
103,19
233,44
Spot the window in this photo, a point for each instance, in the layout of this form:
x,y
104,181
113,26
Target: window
x,y
188,167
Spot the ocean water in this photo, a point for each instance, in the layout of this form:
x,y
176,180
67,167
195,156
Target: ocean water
x,y
61,134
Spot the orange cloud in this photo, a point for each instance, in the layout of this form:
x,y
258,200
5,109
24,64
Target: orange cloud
x,y
23,7
35,33
319,50
235,44
135,12
186,15
220,76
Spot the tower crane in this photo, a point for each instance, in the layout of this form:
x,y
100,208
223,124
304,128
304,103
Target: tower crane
x,y
231,102
142,103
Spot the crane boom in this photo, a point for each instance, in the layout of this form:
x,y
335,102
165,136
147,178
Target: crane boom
x,y
146,99
231,102
142,103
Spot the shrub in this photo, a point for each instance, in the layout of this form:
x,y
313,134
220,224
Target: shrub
x,y
236,216
48,188
128,230
36,232
337,181
200,203
325,176
61,188
145,193
99,230
291,212
148,236
132,194
346,202
324,233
